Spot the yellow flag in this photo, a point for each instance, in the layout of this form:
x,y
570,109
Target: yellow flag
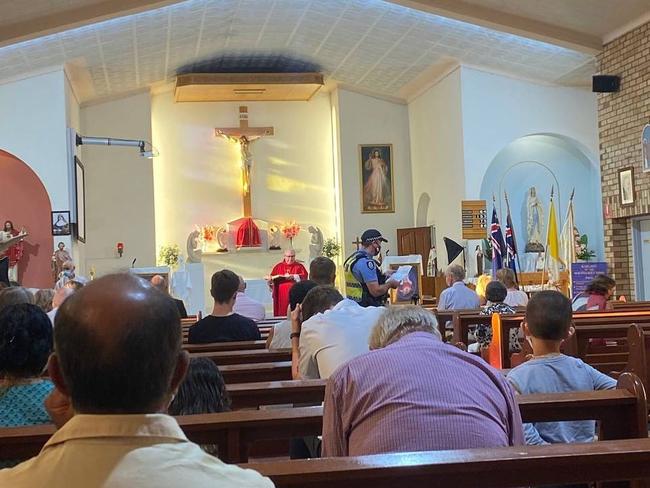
x,y
552,246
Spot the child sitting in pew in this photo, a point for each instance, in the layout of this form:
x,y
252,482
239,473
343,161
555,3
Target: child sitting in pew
x,y
495,294
547,324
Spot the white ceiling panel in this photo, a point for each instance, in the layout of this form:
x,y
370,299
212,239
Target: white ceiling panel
x,y
376,45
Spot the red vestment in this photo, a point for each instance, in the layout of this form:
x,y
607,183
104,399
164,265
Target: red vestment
x,y
281,286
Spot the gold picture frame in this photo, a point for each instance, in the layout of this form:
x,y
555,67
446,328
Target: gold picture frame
x,y
377,178
402,296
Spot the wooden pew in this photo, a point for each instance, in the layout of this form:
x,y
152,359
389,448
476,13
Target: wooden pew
x,y
503,467
621,414
639,343
252,395
224,346
249,356
257,372
626,306
589,325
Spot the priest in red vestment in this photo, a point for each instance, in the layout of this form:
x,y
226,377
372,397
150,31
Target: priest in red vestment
x,y
283,276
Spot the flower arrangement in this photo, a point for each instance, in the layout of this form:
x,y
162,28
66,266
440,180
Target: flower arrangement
x,y
290,230
331,248
582,252
169,255
208,233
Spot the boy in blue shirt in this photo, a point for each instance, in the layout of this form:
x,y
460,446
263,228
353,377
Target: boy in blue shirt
x,y
547,323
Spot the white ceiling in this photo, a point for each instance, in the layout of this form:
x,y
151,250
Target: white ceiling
x,y
594,17
372,45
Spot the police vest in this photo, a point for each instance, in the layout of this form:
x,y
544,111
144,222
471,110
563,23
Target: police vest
x,y
357,290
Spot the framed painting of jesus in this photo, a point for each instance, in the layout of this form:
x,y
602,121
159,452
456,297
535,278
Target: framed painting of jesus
x,y
377,178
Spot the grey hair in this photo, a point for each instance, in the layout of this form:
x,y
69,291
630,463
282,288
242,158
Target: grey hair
x,y
456,271
396,322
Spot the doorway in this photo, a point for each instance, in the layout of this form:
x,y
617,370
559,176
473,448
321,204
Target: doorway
x,y
641,254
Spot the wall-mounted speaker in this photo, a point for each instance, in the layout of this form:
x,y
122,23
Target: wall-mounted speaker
x,y
605,83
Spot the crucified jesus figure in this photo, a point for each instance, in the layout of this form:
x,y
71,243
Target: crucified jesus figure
x,y
245,136
246,157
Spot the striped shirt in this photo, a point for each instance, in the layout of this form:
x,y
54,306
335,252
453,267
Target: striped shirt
x,y
418,394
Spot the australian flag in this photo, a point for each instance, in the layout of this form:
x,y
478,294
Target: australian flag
x,y
511,246
498,247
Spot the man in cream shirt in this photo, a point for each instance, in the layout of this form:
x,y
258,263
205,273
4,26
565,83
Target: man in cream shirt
x,y
117,364
333,332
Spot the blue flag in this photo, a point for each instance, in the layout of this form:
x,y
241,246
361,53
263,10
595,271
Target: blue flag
x,y
511,245
498,247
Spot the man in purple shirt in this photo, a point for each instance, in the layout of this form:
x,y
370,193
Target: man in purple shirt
x,y
412,392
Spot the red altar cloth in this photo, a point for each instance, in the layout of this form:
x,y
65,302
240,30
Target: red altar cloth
x,y
248,234
281,285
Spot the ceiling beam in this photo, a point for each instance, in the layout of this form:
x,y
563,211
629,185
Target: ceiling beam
x,y
68,19
512,24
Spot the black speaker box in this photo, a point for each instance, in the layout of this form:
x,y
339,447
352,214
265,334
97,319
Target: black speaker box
x,y
606,83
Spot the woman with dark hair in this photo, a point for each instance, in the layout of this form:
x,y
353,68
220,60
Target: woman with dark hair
x,y
25,345
596,295
202,391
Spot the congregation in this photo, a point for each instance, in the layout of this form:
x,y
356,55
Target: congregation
x,y
391,378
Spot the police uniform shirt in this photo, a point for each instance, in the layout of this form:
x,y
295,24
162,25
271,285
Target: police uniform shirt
x,y
365,270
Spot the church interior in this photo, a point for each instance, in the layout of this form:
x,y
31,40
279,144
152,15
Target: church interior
x,y
182,138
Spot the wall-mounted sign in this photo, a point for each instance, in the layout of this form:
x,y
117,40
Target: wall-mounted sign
x,y
474,219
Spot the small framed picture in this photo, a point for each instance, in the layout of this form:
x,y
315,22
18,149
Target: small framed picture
x,y
626,186
377,183
409,287
80,189
61,223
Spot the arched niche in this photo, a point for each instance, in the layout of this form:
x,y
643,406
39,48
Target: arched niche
x,y
547,161
24,201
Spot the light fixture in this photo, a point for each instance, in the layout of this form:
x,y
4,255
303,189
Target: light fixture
x,y
146,149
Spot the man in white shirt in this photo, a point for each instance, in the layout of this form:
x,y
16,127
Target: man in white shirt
x,y
113,433
333,332
246,306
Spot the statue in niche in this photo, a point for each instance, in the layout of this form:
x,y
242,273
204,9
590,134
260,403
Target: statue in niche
x,y
194,251
535,213
316,243
274,237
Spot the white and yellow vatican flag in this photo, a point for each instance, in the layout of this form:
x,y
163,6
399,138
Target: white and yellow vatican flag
x,y
568,238
553,259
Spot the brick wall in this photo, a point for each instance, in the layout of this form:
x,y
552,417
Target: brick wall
x,y
621,118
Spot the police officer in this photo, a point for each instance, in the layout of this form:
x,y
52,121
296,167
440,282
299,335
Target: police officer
x,y
364,281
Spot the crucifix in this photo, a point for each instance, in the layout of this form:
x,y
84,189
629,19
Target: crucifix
x,y
244,136
357,242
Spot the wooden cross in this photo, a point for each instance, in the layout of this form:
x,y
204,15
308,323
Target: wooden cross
x,y
244,136
358,242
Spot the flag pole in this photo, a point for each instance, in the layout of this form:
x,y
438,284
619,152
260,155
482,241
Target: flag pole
x,y
547,232
568,265
514,241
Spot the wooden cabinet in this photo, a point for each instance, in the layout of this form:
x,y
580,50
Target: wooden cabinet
x,y
417,240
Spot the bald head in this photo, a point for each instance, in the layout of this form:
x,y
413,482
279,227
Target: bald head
x,y
159,282
118,346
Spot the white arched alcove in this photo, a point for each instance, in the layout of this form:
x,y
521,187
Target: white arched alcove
x,y
547,161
